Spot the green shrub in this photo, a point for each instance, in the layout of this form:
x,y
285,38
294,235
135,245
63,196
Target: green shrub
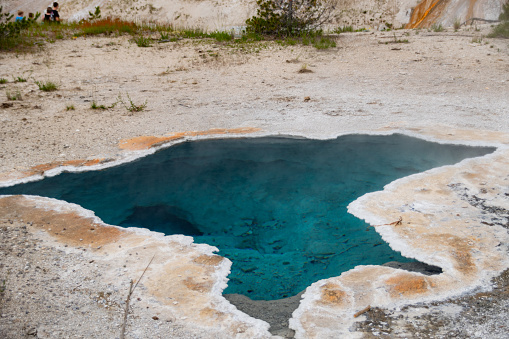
x,y
141,41
343,29
10,32
324,43
500,31
94,105
96,15
275,17
317,40
47,86
193,33
131,106
221,36
288,41
504,16
164,35
249,37
3,81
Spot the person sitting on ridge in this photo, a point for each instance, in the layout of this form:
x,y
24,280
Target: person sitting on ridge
x,y
54,14
20,16
47,15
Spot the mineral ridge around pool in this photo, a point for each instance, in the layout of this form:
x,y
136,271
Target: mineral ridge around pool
x,y
448,219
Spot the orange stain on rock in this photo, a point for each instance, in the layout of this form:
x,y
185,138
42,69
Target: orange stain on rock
x,y
426,12
332,295
133,144
211,260
460,249
203,286
144,142
68,227
40,169
147,142
404,285
209,313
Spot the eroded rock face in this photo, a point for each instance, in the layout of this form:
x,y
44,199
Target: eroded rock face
x,y
446,12
218,15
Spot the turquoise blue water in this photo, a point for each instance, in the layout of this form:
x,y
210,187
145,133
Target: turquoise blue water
x,y
275,206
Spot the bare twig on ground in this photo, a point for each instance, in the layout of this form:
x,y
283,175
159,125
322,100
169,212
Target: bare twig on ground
x,y
361,312
132,287
395,223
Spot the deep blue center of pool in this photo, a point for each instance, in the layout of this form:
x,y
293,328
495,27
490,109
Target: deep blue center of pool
x,y
277,207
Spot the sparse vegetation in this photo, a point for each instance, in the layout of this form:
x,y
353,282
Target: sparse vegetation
x,y
437,28
396,41
304,69
343,29
47,86
104,26
457,24
3,81
313,38
477,39
70,108
141,41
221,36
2,291
502,30
94,105
164,35
323,42
131,106
20,79
288,41
13,97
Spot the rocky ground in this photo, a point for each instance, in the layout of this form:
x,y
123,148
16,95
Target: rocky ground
x,y
371,82
48,292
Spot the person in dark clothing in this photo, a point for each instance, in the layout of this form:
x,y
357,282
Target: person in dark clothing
x,y
47,15
54,14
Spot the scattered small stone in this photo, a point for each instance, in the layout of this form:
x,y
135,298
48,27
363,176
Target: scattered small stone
x,y
32,332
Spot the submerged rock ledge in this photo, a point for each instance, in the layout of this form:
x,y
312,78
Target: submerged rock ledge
x,y
455,217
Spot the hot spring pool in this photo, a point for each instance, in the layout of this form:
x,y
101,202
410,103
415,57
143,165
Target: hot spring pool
x,y
275,206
